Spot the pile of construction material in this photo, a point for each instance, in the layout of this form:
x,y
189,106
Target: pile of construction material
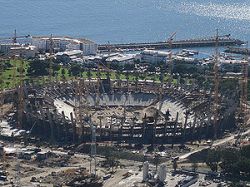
x,y
72,177
55,160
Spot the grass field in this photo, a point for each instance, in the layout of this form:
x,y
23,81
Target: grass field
x,y
10,78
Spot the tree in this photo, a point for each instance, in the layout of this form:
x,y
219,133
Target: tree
x,y
213,159
89,74
129,67
63,72
38,68
136,80
229,158
75,69
245,151
161,78
244,165
151,68
110,159
194,166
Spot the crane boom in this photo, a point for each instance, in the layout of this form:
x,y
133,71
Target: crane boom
x,y
14,38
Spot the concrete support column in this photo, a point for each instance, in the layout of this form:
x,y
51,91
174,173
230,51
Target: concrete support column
x,y
51,126
73,127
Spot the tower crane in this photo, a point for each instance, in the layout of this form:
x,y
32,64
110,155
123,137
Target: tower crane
x,y
243,110
216,104
21,101
51,51
244,92
170,43
15,37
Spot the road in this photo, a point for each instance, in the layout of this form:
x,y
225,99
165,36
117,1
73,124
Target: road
x,y
215,144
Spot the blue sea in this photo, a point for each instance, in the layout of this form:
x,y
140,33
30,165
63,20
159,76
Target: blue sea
x,y
121,21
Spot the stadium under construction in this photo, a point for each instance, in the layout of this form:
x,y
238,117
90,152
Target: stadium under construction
x,y
123,111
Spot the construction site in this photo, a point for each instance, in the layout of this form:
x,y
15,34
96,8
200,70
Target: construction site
x,y
71,124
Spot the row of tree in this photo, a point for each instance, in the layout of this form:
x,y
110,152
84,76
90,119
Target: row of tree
x,y
233,162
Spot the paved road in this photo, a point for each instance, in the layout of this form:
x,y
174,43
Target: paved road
x,y
215,144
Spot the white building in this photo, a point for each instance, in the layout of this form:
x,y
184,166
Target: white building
x,y
22,50
5,48
65,43
67,56
153,56
122,59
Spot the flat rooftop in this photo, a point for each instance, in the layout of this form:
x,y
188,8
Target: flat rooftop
x,y
65,38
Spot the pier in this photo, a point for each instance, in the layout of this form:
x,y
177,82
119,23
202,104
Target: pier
x,y
175,44
238,50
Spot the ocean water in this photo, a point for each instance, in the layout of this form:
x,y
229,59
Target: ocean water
x,y
120,21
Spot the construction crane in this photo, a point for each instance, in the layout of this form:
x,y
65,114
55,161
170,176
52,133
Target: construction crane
x,y
98,84
20,108
216,86
93,146
51,51
20,97
216,104
170,69
83,118
78,110
244,88
15,37
1,88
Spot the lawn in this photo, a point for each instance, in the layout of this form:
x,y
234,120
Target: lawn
x,y
11,76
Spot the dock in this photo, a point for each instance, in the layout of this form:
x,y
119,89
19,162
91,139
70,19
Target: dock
x,y
238,50
175,44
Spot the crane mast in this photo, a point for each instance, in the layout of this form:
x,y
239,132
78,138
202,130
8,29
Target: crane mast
x,y
216,87
20,97
170,69
243,100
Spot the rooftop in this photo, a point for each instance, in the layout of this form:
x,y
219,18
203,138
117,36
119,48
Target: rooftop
x,y
154,52
66,38
69,53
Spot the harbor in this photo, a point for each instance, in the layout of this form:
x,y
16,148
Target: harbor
x,y
191,43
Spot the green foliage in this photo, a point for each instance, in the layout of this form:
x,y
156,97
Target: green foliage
x,y
63,72
75,69
245,151
129,67
186,69
229,158
244,165
151,68
38,68
235,163
89,74
6,65
228,85
213,158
